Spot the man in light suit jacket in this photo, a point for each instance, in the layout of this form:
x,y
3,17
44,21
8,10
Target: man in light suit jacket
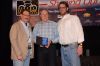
x,y
22,47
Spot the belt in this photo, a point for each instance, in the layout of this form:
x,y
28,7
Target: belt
x,y
64,45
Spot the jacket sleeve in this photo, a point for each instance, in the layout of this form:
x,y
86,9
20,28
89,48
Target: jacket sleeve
x,y
14,40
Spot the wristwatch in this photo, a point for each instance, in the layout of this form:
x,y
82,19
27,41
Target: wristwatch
x,y
80,44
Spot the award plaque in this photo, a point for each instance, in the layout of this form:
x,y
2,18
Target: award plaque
x,y
44,41
41,41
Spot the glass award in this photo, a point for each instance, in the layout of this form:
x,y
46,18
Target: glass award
x,y
44,41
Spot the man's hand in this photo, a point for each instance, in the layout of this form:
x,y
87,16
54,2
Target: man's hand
x,y
80,50
20,58
49,42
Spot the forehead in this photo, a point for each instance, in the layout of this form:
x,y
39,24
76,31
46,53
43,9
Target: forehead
x,y
62,5
44,12
25,12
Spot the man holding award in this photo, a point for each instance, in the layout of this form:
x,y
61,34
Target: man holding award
x,y
46,36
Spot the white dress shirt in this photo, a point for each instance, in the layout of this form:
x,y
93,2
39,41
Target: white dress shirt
x,y
27,30
70,30
29,34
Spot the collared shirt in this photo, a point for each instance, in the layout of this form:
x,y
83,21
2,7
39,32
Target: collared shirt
x,y
46,29
70,30
27,30
29,34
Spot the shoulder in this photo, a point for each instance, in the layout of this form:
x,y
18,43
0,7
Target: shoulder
x,y
37,25
14,27
52,22
15,24
74,16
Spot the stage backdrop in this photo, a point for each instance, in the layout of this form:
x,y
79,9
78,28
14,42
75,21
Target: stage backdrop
x,y
87,10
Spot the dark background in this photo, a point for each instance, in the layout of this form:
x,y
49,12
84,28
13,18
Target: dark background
x,y
5,23
92,35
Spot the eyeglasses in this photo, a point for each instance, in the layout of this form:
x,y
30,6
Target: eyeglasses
x,y
26,15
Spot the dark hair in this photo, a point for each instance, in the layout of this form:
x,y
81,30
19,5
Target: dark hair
x,y
65,3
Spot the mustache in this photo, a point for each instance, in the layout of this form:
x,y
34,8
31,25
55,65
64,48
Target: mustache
x,y
26,18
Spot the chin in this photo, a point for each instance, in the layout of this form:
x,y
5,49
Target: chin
x,y
26,20
62,13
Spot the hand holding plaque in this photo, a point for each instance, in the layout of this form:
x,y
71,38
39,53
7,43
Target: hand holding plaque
x,y
42,41
49,42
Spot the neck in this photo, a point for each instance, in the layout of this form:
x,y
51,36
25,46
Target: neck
x,y
44,21
24,21
64,14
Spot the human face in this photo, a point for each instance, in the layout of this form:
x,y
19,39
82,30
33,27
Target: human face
x,y
44,15
63,9
32,20
25,16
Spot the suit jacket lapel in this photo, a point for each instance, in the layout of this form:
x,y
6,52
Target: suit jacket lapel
x,y
22,29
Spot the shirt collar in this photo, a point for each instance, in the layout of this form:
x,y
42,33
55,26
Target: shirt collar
x,y
24,22
45,22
